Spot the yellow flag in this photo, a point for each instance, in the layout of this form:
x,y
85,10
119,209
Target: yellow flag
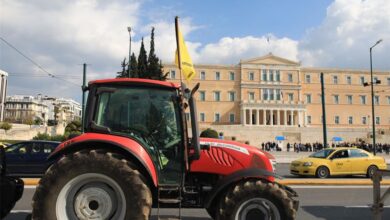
x,y
187,68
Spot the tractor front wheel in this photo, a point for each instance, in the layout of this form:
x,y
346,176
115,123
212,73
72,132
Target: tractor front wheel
x,y
255,199
92,184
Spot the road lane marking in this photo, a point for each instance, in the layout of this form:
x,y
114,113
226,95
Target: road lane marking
x,y
333,187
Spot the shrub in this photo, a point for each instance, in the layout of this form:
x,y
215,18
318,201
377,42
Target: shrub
x,y
210,133
6,126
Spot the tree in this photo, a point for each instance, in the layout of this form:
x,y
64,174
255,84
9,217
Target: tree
x,y
73,128
210,133
154,67
6,126
142,61
133,67
29,121
123,73
38,121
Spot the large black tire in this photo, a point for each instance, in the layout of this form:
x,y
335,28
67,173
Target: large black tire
x,y
255,199
70,186
371,170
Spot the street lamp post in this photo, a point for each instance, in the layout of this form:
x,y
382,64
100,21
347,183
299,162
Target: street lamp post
x,y
372,97
128,70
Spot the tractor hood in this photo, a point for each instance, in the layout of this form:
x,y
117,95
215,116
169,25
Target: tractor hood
x,y
224,157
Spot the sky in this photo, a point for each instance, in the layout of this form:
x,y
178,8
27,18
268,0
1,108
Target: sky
x,y
60,35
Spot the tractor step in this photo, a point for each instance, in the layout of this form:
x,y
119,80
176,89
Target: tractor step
x,y
169,201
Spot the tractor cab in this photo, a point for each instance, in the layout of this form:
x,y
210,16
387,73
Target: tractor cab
x,y
152,115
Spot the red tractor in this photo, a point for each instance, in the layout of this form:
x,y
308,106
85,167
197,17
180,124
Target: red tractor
x,y
136,154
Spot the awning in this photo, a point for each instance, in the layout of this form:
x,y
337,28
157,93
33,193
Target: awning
x,y
280,138
337,139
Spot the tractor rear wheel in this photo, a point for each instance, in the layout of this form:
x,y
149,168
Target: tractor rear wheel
x,y
92,184
255,199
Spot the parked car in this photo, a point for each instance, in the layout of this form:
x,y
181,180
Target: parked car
x,y
29,158
338,161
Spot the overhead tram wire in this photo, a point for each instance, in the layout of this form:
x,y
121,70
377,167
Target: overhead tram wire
x,y
36,64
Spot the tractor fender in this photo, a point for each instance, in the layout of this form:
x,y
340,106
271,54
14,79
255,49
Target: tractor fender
x,y
122,145
226,181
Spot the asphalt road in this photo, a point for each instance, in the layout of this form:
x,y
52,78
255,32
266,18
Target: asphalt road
x,y
316,202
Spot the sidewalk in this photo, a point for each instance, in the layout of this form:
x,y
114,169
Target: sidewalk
x,y
287,157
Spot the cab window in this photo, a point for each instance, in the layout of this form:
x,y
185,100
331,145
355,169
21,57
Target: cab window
x,y
358,153
340,154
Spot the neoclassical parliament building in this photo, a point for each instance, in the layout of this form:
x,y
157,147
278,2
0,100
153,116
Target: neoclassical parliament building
x,y
266,97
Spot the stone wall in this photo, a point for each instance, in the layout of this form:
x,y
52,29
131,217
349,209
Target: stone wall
x,y
26,132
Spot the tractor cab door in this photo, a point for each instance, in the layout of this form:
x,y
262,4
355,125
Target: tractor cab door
x,y
150,115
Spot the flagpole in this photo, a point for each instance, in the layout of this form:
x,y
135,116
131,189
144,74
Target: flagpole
x,y
178,46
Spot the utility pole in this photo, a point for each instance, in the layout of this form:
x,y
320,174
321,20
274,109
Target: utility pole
x,y
323,111
128,70
83,88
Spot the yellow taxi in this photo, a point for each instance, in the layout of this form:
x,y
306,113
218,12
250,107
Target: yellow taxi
x,y
338,161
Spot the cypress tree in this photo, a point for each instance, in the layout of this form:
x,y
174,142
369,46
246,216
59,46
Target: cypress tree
x,y
142,61
133,67
154,66
123,73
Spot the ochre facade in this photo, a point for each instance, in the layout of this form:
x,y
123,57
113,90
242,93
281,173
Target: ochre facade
x,y
271,91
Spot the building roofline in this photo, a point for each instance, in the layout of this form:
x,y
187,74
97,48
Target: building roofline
x,y
2,72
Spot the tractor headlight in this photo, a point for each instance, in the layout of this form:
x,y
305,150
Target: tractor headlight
x,y
307,164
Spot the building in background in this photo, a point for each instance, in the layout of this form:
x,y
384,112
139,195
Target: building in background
x,y
263,98
21,109
25,109
3,92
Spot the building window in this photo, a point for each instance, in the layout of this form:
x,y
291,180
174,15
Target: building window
x,y
231,117
375,79
362,80
388,81
336,99
363,99
271,94
187,116
231,76
388,100
376,99
337,120
307,78
308,119
217,76
278,94
217,96
349,80
217,117
350,120
290,97
202,117
377,120
264,75
173,74
202,95
271,75
290,77
278,75
265,94
203,75
251,96
335,80
232,96
308,98
349,99
251,76
364,120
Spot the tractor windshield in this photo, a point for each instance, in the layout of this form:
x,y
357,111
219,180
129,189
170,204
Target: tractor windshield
x,y
148,114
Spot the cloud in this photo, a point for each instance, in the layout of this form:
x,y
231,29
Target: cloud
x,y
350,28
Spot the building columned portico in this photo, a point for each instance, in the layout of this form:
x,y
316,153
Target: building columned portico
x,y
261,114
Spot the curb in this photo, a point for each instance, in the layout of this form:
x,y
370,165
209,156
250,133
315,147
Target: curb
x,y
35,181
